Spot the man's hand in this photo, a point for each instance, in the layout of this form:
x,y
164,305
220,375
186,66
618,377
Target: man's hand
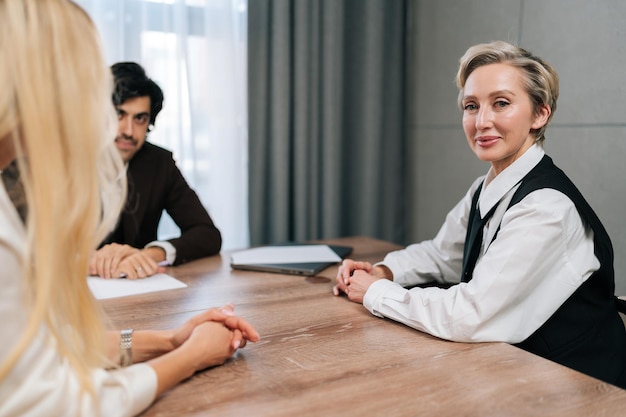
x,y
118,261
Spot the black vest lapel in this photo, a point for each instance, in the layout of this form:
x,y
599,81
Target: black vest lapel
x,y
474,237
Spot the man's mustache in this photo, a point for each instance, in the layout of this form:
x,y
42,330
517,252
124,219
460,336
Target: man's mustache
x,y
127,138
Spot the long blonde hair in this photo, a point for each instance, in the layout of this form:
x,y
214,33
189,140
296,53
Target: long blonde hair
x,y
56,107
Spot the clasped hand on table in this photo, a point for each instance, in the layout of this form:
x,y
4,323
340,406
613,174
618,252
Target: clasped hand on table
x,y
123,261
355,277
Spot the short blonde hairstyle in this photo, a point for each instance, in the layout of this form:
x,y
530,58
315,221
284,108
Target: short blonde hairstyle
x,y
541,81
56,107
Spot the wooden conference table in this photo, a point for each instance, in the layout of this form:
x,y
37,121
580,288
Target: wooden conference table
x,y
321,355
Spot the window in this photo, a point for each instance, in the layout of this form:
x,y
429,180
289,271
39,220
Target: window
x,y
196,51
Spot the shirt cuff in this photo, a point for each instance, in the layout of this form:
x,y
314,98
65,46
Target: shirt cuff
x,y
170,250
378,292
141,382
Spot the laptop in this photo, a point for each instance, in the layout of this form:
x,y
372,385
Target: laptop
x,y
300,268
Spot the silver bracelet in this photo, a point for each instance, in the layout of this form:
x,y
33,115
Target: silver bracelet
x,y
126,347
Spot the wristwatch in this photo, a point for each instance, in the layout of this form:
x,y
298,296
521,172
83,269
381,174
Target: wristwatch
x,y
126,347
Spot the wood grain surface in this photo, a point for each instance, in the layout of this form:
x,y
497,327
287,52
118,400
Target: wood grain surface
x,y
321,355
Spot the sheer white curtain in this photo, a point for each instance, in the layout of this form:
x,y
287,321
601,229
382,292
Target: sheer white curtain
x,y
196,51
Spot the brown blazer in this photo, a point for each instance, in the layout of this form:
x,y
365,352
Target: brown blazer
x,y
155,184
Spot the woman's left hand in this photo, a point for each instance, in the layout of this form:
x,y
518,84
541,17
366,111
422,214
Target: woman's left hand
x,y
243,330
358,285
345,271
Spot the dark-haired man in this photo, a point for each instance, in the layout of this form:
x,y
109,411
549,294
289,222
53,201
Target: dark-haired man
x,y
154,184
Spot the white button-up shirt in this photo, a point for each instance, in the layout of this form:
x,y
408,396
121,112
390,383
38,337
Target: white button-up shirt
x,y
541,255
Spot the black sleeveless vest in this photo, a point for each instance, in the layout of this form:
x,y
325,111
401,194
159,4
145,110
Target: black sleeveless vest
x,y
586,332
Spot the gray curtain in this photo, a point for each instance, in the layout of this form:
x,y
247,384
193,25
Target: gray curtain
x,y
327,119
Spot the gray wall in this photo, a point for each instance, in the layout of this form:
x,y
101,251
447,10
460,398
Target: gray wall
x,y
586,43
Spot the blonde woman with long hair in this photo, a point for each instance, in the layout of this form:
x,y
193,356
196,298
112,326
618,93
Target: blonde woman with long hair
x,y
57,121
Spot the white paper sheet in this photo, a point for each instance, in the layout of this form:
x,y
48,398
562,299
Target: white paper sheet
x,y
285,254
112,288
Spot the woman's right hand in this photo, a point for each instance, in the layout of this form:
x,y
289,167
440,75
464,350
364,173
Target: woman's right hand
x,y
209,344
347,268
244,331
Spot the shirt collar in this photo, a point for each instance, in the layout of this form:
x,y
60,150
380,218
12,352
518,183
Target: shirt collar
x,y
496,187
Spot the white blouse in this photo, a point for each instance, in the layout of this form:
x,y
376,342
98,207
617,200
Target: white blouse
x,y
42,383
542,254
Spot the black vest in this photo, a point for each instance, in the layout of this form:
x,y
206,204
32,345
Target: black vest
x,y
586,332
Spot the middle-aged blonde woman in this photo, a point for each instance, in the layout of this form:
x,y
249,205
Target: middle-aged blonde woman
x,y
530,261
56,119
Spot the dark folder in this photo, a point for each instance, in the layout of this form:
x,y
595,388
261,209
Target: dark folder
x,y
299,268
